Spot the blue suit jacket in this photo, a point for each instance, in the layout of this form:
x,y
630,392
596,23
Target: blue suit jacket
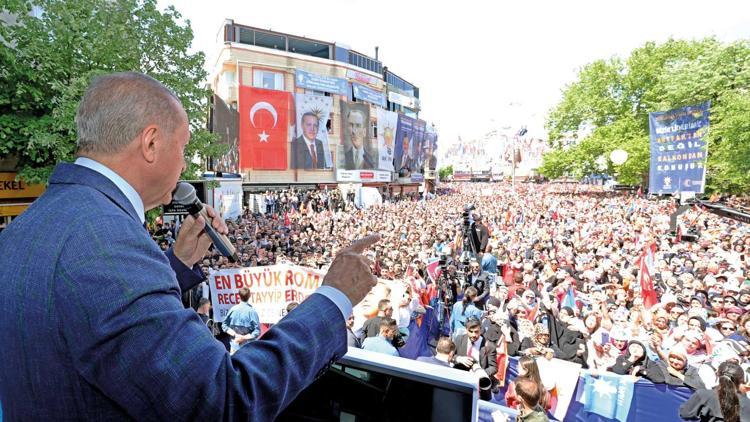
x,y
94,328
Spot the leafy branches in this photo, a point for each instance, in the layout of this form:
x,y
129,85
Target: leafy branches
x,y
59,45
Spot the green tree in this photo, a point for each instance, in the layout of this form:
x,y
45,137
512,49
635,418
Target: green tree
x,y
444,172
50,57
610,102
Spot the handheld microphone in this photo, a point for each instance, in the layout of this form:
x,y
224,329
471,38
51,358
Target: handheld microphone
x,y
184,194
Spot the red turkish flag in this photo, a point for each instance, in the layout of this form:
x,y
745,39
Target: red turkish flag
x,y
264,121
646,272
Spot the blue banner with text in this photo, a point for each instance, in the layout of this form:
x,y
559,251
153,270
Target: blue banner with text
x,y
678,149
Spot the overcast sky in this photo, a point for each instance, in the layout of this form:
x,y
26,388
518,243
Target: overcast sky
x,y
480,65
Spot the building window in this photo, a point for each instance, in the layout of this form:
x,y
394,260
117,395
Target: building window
x,y
268,80
264,39
310,48
247,36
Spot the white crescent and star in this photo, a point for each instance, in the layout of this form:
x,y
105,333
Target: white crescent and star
x,y
262,105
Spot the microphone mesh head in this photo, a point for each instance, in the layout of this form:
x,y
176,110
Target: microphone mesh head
x,y
184,193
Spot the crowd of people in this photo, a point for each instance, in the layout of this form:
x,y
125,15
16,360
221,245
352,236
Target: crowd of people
x,y
559,275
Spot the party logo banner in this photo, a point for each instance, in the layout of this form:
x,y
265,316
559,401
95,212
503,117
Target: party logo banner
x,y
322,83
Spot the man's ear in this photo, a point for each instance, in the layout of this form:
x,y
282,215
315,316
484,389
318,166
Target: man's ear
x,y
148,141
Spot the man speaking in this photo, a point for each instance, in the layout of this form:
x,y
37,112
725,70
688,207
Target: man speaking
x,y
93,324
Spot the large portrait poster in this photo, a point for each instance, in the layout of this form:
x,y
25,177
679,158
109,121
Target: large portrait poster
x,y
678,149
404,162
387,124
430,149
418,146
310,148
356,151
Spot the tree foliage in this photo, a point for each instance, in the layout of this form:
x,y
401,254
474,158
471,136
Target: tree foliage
x,y
49,58
444,172
611,99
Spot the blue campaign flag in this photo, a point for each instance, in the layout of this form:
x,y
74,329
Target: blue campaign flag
x,y
678,149
570,299
370,95
608,395
322,83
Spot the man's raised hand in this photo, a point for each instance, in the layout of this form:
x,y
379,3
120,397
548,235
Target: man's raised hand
x,y
350,271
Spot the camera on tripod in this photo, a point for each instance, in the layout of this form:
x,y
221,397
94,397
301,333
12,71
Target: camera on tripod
x,y
470,238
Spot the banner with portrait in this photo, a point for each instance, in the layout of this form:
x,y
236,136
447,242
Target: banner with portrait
x,y
430,149
357,151
404,162
387,124
264,125
310,149
678,149
420,128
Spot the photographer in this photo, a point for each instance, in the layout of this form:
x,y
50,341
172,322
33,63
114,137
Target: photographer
x,y
482,231
479,280
475,353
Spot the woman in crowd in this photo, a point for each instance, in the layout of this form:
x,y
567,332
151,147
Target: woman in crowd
x,y
464,310
527,368
676,371
725,402
634,362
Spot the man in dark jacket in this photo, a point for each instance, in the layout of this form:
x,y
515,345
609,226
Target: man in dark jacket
x,y
445,349
481,281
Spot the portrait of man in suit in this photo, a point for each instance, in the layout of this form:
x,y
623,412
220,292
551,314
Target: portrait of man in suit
x,y
405,162
356,156
307,150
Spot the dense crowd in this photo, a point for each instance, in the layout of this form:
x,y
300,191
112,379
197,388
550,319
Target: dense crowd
x,y
559,275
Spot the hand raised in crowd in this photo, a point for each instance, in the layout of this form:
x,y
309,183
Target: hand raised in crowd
x,y
192,242
350,271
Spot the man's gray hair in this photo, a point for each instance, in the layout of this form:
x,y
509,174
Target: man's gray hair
x,y
115,108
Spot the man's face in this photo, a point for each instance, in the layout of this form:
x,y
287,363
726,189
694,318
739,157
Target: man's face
x,y
474,334
406,145
310,127
475,269
391,332
356,128
170,160
388,136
